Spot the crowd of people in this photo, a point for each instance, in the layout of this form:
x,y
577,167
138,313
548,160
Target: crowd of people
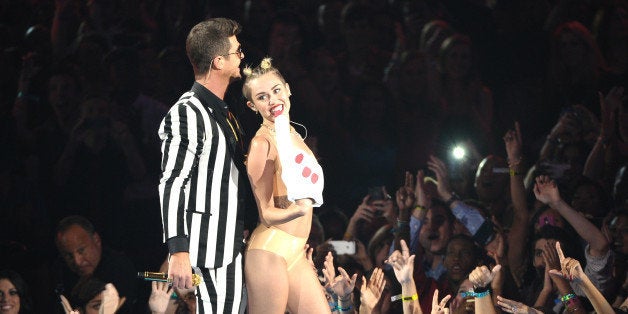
x,y
529,215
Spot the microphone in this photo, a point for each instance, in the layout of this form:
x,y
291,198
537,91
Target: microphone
x,y
163,277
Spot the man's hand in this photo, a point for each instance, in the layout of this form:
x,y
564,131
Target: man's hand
x,y
180,270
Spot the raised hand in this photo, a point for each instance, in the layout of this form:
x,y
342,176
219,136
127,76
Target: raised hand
x,y
570,268
159,296
405,194
371,290
513,143
67,308
341,285
422,197
111,301
440,169
481,276
608,108
440,308
364,212
545,190
402,263
510,306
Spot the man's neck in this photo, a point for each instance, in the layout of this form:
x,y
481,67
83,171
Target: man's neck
x,y
217,85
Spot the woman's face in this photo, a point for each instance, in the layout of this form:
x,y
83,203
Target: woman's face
x,y
458,61
539,246
572,49
270,96
9,297
619,228
93,306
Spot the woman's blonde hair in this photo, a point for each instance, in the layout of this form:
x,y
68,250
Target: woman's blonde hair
x,y
263,68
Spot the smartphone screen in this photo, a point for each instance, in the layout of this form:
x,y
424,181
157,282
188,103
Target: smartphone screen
x,y
343,247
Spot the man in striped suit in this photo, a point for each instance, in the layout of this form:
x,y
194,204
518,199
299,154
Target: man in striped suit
x,y
203,183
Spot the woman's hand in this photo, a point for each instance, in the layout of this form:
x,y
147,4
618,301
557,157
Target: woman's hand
x,y
363,212
481,276
546,191
510,306
402,263
371,290
570,268
440,308
440,169
405,194
341,285
159,297
513,143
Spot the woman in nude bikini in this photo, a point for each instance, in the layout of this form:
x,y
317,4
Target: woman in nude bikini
x,y
287,183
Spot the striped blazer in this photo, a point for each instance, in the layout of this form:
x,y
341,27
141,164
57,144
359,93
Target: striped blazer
x,y
203,180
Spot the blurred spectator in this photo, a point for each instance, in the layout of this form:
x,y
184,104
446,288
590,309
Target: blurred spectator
x,y
83,255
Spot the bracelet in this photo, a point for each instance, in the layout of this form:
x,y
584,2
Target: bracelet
x,y
567,297
347,235
454,197
404,298
420,207
401,223
343,309
514,173
473,294
481,294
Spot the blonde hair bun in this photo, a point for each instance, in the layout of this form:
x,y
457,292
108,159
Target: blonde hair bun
x,y
266,63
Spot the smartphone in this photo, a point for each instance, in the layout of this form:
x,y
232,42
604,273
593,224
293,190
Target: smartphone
x,y
376,193
343,247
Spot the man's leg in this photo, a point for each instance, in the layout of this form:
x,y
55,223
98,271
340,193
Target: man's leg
x,y
221,289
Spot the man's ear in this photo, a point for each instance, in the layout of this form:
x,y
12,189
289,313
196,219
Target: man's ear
x,y
97,240
218,62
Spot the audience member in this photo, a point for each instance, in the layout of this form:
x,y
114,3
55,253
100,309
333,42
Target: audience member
x,y
14,295
83,255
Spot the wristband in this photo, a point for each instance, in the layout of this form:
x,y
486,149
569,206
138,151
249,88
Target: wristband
x,y
343,309
454,197
567,297
514,173
420,207
401,223
404,298
481,289
481,294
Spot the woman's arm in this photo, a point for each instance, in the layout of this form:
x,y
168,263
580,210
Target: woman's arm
x,y
261,171
547,192
518,229
571,270
481,278
403,265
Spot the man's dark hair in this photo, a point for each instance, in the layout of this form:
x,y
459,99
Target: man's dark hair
x,y
80,221
209,39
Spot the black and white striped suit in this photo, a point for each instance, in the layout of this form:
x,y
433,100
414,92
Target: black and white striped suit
x,y
202,190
